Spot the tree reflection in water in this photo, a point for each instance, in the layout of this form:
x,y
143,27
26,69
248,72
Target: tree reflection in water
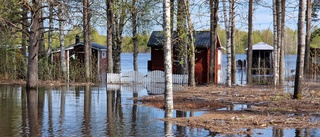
x,y
87,110
33,122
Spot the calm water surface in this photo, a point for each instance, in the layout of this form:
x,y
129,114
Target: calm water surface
x,y
97,111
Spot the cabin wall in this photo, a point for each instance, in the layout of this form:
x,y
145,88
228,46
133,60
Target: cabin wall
x,y
202,63
202,66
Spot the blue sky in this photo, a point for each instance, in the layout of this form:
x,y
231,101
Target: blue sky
x,y
262,17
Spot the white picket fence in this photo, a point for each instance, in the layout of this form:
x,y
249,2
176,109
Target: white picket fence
x,y
135,77
135,81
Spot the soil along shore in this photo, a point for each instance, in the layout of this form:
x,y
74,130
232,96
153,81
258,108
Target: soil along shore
x,y
263,107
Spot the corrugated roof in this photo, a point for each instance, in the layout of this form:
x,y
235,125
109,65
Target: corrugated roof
x,y
202,39
261,46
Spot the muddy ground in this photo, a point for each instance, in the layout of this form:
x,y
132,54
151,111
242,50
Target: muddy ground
x,y
265,107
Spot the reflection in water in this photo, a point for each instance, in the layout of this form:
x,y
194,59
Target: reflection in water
x,y
277,132
110,104
168,124
62,108
24,111
90,111
87,109
134,114
299,132
33,121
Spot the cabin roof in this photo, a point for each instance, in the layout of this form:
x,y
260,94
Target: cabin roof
x,y
202,39
93,45
261,46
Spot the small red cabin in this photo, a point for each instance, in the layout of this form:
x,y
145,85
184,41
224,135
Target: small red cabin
x,y
202,55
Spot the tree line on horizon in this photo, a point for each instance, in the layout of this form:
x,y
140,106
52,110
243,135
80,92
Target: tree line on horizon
x,y
42,25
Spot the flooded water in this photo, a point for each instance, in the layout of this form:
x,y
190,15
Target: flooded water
x,y
98,111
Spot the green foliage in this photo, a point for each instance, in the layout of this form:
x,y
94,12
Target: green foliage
x,y
127,44
45,71
315,39
12,61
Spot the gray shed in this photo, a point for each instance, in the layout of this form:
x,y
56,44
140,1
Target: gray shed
x,y
262,60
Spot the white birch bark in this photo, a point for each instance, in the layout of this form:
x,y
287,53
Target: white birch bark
x,y
301,49
167,58
61,17
275,45
228,42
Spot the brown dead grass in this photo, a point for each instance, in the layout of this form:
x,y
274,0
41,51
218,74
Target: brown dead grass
x,y
269,107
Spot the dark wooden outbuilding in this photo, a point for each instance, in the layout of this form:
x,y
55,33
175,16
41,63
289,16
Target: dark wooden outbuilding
x,y
202,55
75,54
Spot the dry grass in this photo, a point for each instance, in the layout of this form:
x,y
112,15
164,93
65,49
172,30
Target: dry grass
x,y
269,107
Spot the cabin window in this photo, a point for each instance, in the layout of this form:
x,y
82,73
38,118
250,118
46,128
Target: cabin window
x,y
104,54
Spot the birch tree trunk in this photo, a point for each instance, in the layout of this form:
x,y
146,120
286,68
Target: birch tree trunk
x,y
301,50
86,28
61,11
228,42
214,6
279,33
110,24
233,47
167,59
33,52
275,44
308,37
182,38
120,16
134,35
249,54
192,82
283,43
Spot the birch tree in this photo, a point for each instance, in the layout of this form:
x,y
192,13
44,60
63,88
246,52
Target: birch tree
x,y
279,39
228,42
249,54
232,39
182,37
120,20
110,30
301,49
275,44
167,59
308,36
134,35
282,44
61,16
214,6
